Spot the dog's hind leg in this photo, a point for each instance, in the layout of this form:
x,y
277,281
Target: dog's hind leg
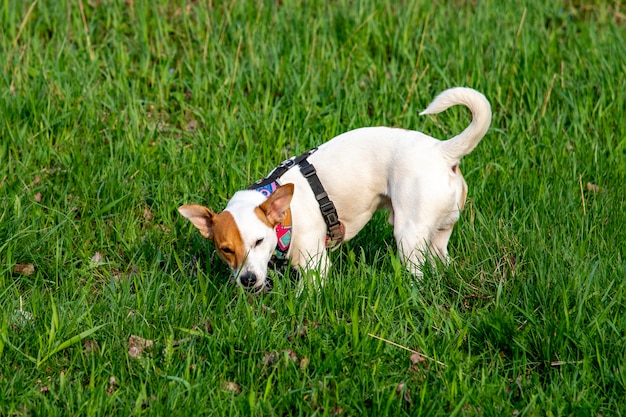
x,y
413,247
419,235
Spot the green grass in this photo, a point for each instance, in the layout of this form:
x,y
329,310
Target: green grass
x,y
112,114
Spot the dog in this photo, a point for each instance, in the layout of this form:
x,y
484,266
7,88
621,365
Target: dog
x,y
413,176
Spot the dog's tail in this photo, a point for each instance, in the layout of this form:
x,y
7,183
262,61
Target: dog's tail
x,y
462,144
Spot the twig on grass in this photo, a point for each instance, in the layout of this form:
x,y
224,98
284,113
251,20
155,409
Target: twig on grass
x,y
582,194
24,21
561,363
521,25
234,75
406,348
547,97
92,56
17,39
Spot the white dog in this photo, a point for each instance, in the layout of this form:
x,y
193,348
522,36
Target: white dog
x,y
328,194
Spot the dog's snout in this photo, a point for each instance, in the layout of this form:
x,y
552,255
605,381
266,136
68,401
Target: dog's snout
x,y
247,280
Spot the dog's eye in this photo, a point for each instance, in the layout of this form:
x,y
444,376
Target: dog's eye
x,y
258,242
227,250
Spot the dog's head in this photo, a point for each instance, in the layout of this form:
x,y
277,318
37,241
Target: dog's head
x,y
244,233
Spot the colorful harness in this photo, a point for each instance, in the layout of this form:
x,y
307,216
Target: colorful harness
x,y
283,230
269,184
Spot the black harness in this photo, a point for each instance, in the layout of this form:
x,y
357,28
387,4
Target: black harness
x,y
335,231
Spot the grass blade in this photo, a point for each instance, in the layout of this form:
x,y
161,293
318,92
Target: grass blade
x,y
70,342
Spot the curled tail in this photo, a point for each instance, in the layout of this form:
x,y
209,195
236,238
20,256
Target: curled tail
x,y
463,143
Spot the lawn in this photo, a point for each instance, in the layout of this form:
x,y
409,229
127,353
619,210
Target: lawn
x,y
114,113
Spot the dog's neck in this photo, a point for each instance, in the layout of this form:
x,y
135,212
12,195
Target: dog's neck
x,y
283,229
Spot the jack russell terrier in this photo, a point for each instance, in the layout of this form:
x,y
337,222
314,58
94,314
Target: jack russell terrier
x,y
328,194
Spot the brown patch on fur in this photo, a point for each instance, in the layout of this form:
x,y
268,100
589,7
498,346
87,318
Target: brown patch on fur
x,y
261,215
275,207
201,217
221,229
228,240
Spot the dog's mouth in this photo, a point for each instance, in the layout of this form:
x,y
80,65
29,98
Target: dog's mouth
x,y
264,288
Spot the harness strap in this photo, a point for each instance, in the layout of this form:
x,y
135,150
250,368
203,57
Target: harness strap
x,y
278,172
327,207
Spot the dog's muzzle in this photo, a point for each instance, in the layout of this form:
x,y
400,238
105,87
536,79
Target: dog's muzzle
x,y
247,280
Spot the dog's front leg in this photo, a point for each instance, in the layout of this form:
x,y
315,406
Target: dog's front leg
x,y
313,264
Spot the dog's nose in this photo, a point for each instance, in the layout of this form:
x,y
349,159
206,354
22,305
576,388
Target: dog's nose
x,y
247,280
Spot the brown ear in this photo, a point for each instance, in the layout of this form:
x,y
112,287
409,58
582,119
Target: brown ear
x,y
275,207
201,217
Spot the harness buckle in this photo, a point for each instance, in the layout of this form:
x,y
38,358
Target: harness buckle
x,y
307,170
288,163
329,212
